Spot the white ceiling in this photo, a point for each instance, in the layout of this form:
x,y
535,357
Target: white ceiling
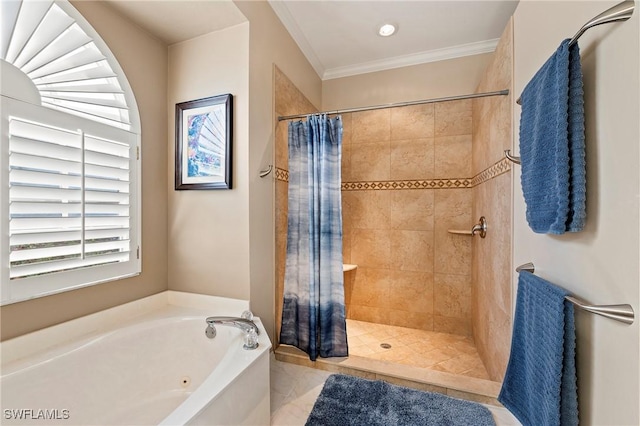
x,y
339,37
176,21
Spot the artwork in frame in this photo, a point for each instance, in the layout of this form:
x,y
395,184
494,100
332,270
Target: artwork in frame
x,y
204,143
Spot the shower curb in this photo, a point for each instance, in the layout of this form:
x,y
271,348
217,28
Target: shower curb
x,y
468,388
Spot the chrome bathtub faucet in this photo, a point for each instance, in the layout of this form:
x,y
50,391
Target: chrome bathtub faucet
x,y
244,323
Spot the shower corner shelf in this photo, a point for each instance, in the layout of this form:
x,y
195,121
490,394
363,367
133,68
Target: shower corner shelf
x,y
348,267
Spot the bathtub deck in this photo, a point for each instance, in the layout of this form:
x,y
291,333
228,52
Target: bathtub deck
x,y
435,362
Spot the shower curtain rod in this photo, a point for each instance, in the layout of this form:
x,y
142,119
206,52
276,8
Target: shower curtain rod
x,y
400,104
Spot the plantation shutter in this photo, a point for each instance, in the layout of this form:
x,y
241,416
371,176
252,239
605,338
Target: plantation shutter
x,y
69,155
69,195
69,199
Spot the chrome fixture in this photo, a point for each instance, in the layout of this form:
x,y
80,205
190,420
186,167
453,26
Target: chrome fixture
x,y
480,227
400,104
244,323
620,12
512,158
264,173
623,313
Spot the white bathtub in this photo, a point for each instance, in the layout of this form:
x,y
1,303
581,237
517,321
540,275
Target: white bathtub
x,y
146,362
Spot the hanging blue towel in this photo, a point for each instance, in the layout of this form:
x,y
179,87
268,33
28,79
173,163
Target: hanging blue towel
x,y
540,387
552,145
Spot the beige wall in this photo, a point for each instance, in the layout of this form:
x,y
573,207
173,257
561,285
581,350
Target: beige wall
x,y
269,44
491,296
144,61
458,76
601,263
209,230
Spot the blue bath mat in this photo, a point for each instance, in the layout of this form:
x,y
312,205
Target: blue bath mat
x,y
352,401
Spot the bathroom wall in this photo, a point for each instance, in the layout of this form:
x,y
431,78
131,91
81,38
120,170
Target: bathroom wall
x,y
288,101
269,44
144,60
601,263
406,181
491,268
209,230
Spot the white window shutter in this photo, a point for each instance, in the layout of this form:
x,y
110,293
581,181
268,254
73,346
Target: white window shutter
x,y
70,176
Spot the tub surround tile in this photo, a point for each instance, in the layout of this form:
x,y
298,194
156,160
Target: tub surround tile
x,y
403,318
371,287
452,325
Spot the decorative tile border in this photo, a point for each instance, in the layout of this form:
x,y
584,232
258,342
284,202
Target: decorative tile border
x,y
282,174
407,184
501,167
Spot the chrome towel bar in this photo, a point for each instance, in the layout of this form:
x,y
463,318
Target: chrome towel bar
x,y
264,173
620,12
623,313
512,158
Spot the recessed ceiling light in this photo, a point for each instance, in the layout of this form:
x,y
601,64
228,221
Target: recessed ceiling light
x,y
386,30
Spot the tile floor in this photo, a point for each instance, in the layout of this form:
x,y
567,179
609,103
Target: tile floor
x,y
294,389
449,353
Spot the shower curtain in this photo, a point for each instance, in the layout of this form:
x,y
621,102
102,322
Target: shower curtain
x,y
313,315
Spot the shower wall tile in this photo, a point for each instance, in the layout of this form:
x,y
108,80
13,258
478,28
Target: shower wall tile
x,y
347,128
452,157
371,248
282,149
452,325
416,287
412,159
371,287
369,314
400,231
417,320
453,118
452,295
370,209
412,209
345,165
491,270
370,161
412,122
412,250
371,126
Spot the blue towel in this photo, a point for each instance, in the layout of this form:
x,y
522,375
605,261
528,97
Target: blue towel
x,y
552,145
540,386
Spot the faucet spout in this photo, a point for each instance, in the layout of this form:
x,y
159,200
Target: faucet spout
x,y
243,324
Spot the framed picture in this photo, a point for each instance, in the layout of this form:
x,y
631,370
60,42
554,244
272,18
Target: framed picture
x,y
203,143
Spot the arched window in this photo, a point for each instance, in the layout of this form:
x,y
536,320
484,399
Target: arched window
x,y
69,179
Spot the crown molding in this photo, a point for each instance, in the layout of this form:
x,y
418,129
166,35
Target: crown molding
x,y
486,46
283,13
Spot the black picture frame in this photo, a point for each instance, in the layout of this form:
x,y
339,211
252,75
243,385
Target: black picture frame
x,y
204,149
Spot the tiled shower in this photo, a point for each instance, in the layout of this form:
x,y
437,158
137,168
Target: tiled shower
x,y
409,175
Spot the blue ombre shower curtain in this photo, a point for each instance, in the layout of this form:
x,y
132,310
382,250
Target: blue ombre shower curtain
x,y
313,315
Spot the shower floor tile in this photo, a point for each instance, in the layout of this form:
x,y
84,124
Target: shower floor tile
x,y
444,352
